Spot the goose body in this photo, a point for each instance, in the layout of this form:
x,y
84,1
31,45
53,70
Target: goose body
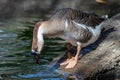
x,y
74,26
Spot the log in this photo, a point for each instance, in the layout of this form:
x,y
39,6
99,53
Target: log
x,y
100,60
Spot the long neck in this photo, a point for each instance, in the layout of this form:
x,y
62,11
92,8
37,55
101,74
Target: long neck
x,y
35,39
53,28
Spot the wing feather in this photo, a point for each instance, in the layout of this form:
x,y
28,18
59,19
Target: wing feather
x,y
78,16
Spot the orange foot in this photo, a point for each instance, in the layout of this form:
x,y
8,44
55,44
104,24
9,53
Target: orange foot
x,y
65,62
100,1
72,63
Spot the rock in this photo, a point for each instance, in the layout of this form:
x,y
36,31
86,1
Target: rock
x,y
101,60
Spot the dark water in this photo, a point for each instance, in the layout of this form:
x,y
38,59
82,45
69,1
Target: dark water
x,y
16,62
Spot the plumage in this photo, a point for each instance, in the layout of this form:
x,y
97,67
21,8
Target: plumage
x,y
89,19
74,26
79,24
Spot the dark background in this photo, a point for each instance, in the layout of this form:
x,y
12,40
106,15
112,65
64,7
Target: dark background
x,y
27,8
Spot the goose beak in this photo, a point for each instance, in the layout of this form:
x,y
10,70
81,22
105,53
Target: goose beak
x,y
37,56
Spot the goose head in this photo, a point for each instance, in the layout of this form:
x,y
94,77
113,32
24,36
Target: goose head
x,y
37,42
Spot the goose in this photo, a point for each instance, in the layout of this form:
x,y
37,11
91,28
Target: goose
x,y
77,28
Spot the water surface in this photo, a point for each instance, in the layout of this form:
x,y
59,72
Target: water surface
x,y
16,62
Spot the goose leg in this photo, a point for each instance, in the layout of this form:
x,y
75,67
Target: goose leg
x,y
74,60
69,55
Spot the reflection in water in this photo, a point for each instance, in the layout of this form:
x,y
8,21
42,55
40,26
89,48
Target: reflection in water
x,y
16,62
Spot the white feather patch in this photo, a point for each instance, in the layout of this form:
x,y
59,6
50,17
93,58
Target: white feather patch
x,y
78,43
80,25
40,35
66,24
95,31
33,50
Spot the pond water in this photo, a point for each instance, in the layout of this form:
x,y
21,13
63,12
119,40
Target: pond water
x,y
16,61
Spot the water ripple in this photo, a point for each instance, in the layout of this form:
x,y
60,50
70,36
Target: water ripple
x,y
1,30
7,35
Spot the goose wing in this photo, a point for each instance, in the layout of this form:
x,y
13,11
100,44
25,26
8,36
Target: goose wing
x,y
89,19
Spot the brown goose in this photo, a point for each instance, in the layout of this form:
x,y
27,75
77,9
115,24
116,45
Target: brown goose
x,y
75,27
